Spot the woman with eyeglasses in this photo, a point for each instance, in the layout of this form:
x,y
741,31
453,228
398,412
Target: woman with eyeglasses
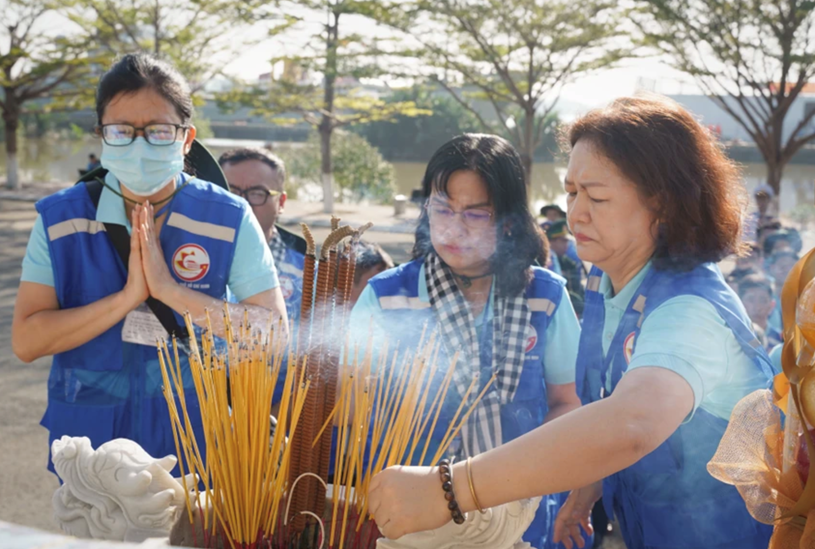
x,y
82,302
474,280
666,351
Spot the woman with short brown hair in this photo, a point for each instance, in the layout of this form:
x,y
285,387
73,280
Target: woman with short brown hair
x,y
665,353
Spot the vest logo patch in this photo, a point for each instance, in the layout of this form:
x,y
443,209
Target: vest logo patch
x,y
628,347
531,338
286,286
191,262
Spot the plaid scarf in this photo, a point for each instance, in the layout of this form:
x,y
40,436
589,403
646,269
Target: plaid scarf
x,y
278,248
457,327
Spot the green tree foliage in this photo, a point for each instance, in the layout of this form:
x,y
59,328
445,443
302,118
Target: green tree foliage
x,y
322,84
752,57
196,38
412,138
360,171
415,139
35,64
511,56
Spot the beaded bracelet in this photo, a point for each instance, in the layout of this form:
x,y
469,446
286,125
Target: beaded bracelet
x,y
446,473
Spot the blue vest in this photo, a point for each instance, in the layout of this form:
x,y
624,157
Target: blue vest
x,y
398,293
106,388
667,499
290,274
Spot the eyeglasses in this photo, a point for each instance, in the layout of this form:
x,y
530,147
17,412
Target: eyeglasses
x,y
473,219
122,135
256,196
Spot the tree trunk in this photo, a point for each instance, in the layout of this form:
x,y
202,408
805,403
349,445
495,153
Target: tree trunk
x,y
775,171
325,166
528,145
11,118
326,127
527,160
157,30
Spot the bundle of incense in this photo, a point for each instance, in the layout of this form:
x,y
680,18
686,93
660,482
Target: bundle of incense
x,y
384,407
309,267
242,472
322,334
385,413
328,369
344,264
298,499
325,343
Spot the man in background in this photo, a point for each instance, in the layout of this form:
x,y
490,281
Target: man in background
x,y
551,213
764,213
371,260
559,240
757,295
259,176
93,162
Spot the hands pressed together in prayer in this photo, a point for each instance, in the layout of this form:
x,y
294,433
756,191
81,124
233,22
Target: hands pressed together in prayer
x,y
148,275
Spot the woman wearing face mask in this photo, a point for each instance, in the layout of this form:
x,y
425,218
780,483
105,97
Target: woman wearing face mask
x,y
472,278
666,350
189,241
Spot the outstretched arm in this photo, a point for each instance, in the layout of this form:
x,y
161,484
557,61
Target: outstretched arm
x,y
570,452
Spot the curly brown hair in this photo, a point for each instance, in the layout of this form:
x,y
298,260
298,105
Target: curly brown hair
x,y
676,165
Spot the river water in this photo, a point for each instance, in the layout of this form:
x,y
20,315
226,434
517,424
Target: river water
x,y
50,159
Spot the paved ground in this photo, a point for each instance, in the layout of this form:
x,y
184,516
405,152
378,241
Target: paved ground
x,y
25,486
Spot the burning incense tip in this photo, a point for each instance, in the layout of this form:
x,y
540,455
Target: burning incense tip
x,y
311,247
333,239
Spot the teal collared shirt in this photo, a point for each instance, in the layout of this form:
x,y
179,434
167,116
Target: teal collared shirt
x,y
252,270
687,336
562,335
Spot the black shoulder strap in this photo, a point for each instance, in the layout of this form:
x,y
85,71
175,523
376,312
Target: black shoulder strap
x,y
121,242
291,240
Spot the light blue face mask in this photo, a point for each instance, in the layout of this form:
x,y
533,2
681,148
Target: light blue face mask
x,y
144,168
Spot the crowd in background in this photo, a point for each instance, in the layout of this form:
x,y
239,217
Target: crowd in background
x,y
758,277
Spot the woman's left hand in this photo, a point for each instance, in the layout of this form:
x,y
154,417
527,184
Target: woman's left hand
x,y
404,500
575,513
159,279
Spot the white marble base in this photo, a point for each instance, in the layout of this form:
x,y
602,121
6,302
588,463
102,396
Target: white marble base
x,y
499,528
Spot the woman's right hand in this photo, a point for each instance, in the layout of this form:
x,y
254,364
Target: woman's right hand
x,y
135,290
576,512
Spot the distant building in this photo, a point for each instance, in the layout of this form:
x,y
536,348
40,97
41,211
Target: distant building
x,y
712,115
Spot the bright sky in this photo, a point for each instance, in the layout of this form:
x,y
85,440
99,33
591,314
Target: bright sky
x,y
586,91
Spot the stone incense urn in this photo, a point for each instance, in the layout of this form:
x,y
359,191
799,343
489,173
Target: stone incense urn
x,y
119,492
498,528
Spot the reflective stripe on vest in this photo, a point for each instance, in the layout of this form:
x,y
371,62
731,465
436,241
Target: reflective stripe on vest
x,y
73,226
201,228
290,269
540,305
391,302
